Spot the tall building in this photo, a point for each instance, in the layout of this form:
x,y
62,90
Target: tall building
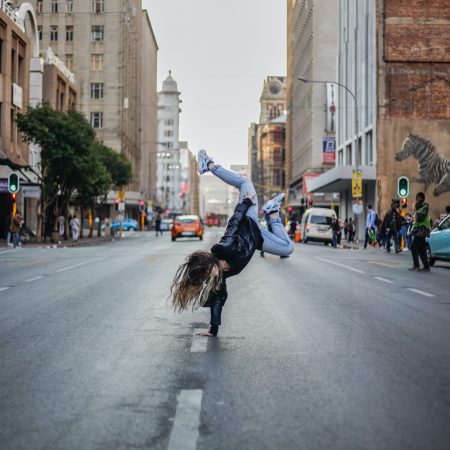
x,y
102,44
266,139
393,56
189,180
169,167
311,130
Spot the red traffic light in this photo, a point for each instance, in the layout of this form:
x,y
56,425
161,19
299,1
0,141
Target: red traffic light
x,y
141,203
14,196
310,200
404,202
117,201
290,209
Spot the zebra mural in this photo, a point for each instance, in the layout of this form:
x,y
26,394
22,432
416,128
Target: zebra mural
x,y
433,167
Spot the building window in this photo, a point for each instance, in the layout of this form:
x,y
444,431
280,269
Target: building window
x,y
40,32
96,91
168,122
69,6
54,6
340,157
169,145
69,62
168,133
69,33
39,6
97,33
97,62
53,33
98,6
97,120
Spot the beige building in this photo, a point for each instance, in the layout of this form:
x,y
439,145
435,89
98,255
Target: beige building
x,y
109,47
312,50
15,54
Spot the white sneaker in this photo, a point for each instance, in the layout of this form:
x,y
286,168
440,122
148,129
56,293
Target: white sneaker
x,y
203,161
274,204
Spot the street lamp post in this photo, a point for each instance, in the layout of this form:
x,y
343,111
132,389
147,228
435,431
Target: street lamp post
x,y
357,161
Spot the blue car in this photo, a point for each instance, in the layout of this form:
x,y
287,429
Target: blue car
x,y
127,224
438,244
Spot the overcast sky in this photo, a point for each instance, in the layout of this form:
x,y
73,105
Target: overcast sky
x,y
219,53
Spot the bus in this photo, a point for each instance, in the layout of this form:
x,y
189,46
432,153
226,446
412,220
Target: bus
x,y
215,220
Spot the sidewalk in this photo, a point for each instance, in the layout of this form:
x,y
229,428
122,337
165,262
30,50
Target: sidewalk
x,y
84,242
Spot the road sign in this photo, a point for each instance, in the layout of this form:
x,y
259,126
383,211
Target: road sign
x,y
121,195
122,206
357,206
357,184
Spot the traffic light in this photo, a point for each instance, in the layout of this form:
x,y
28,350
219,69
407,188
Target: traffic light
x,y
404,203
403,187
310,201
142,206
116,204
13,183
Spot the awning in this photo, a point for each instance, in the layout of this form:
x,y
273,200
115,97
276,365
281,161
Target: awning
x,y
339,179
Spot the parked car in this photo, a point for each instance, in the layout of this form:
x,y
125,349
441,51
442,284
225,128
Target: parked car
x,y
127,224
438,244
166,224
316,225
187,226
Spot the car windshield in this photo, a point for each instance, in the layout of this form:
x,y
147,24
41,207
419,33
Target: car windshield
x,y
186,219
321,220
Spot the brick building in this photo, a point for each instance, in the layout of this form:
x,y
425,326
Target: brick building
x,y
413,90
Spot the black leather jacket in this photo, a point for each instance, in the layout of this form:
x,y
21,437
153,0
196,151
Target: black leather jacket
x,y
242,237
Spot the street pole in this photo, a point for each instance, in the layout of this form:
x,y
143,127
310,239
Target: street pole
x,y
357,161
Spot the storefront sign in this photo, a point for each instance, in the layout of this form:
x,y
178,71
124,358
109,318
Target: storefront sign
x,y
329,150
357,184
306,180
31,191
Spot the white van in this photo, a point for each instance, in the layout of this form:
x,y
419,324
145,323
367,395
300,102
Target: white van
x,y
316,225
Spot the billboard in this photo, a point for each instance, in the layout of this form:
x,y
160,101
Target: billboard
x,y
329,150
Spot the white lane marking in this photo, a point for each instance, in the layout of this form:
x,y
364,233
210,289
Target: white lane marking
x,y
199,343
4,288
384,280
184,432
76,265
34,279
5,251
340,265
426,294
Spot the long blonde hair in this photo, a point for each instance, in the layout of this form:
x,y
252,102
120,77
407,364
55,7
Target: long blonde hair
x,y
195,279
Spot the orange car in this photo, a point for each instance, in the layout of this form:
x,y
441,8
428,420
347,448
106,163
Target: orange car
x,y
187,226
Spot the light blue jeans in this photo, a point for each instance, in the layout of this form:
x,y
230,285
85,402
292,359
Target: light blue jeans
x,y
276,242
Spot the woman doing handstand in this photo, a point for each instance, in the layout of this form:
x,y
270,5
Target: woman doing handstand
x,y
200,281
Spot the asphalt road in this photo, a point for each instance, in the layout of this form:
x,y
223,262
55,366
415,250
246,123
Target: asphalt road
x,y
328,349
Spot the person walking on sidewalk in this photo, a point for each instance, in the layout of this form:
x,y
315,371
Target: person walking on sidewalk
x,y
336,230
75,227
370,223
392,223
61,226
16,221
201,280
421,230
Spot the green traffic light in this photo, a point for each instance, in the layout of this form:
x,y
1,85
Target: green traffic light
x,y
13,183
403,187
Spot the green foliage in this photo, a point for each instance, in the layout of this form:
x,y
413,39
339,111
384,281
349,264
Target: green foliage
x,y
72,160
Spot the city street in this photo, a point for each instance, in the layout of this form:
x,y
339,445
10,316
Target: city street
x,y
341,349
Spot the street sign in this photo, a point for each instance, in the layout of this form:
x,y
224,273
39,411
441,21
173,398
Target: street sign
x,y
357,184
357,206
31,191
121,195
122,206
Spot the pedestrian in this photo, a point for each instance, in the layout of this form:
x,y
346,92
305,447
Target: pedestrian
x,y
351,230
8,230
158,224
15,229
293,228
406,230
336,230
370,224
201,280
391,226
61,226
421,230
75,227
346,229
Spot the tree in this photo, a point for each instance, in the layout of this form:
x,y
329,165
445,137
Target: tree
x,y
65,140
